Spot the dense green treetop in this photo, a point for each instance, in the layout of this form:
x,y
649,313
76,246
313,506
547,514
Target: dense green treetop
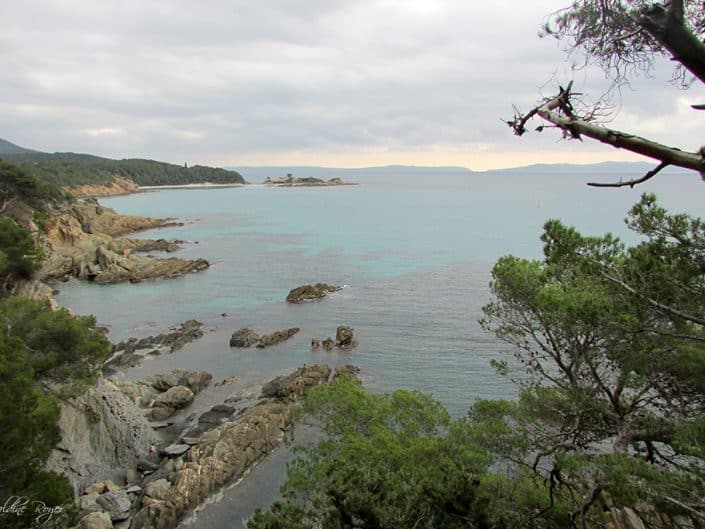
x,y
19,257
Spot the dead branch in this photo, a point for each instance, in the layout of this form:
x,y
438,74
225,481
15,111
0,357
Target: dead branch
x,y
559,112
632,183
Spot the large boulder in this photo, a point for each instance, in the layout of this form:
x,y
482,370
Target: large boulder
x,y
175,398
310,292
244,338
276,338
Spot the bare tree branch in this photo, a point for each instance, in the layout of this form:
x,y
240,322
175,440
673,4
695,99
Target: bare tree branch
x,y
632,183
559,112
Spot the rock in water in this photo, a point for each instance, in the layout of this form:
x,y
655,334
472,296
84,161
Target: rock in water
x,y
117,504
315,345
348,370
344,337
276,338
295,385
328,344
244,338
310,292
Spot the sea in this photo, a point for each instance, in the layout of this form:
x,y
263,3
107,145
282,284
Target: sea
x,y
413,251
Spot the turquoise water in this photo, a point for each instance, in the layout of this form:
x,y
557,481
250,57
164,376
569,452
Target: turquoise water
x,y
414,252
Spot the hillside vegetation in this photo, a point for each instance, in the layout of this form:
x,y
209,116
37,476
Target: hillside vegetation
x,y
71,169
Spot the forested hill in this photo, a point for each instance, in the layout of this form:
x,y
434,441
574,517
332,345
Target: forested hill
x,y
71,169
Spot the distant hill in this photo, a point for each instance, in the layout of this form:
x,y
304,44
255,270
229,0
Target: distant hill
x,y
601,168
73,169
326,173
628,169
10,148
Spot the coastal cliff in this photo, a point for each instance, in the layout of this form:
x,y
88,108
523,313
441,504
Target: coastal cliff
x,y
81,240
118,186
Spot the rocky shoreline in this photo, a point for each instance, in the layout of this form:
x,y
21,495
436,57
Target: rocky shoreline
x,y
126,473
85,240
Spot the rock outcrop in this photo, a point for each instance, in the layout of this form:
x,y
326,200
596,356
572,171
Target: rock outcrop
x,y
344,338
119,186
310,292
222,454
278,337
246,337
80,243
161,396
132,351
103,432
289,387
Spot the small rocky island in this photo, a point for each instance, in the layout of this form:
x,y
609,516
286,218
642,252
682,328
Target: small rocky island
x,y
310,292
290,181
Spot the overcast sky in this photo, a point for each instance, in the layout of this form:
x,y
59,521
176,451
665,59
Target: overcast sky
x,y
346,83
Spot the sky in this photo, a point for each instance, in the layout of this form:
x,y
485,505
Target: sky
x,y
337,83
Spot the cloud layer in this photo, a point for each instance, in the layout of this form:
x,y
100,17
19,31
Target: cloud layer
x,y
335,82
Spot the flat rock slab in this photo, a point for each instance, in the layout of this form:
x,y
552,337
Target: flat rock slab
x,y
176,450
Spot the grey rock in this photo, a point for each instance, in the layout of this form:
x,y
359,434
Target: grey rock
x,y
276,338
145,465
95,520
175,450
244,337
344,338
158,489
296,384
89,503
116,503
177,398
328,344
104,432
315,345
310,292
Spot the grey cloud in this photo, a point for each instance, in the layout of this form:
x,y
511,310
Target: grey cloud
x,y
220,79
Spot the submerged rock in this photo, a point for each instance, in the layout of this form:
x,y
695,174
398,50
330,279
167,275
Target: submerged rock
x,y
310,292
